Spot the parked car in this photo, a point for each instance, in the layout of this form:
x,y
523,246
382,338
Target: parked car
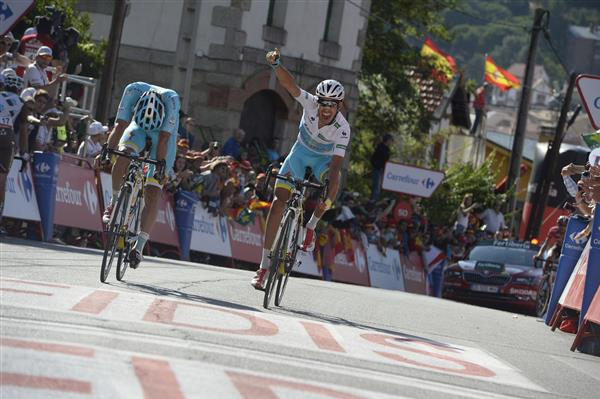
x,y
499,272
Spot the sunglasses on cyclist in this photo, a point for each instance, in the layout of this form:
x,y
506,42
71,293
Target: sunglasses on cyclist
x,y
327,103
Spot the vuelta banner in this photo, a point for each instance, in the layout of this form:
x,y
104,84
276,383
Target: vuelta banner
x,y
414,273
385,271
164,230
571,252
354,271
209,233
77,202
20,201
246,241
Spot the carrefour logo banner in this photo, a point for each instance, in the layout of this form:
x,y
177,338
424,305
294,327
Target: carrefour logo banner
x,y
210,234
11,11
20,201
411,180
573,245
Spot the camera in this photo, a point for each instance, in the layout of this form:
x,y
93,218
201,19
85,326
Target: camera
x,y
53,24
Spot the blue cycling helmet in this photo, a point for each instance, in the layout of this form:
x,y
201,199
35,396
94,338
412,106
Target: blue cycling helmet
x,y
149,111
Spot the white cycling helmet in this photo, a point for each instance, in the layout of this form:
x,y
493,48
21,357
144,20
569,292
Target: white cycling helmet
x,y
330,89
10,79
149,111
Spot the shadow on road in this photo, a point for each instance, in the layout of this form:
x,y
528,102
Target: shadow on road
x,y
402,337
173,293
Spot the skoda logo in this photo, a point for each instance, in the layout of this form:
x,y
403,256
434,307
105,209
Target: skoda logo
x,y
90,197
579,241
25,185
42,167
428,183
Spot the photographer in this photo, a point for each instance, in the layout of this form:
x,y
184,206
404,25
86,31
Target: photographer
x,y
36,76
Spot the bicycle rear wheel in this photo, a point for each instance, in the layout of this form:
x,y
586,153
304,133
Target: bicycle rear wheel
x,y
113,234
277,257
292,250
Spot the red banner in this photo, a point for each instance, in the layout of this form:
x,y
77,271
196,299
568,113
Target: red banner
x,y
414,273
246,241
164,230
77,202
351,269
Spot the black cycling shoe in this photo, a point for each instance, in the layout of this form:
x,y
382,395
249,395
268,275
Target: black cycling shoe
x,y
135,258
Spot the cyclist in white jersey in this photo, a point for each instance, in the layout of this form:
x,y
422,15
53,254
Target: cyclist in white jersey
x,y
11,111
322,142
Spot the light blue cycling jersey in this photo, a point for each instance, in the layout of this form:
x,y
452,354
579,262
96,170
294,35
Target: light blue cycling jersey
x,y
134,137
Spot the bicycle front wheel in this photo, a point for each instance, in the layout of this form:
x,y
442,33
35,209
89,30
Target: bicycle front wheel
x,y
114,232
278,256
123,261
292,250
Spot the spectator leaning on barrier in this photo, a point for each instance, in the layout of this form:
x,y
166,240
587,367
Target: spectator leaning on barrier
x,y
233,146
36,76
96,137
40,136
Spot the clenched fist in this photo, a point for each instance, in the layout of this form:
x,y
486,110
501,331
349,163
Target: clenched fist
x,y
273,56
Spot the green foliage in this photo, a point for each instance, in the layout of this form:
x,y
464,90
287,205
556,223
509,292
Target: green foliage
x,y
506,40
88,53
461,179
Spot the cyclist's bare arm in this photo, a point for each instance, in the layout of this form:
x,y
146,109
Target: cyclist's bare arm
x,y
283,76
117,132
335,168
162,145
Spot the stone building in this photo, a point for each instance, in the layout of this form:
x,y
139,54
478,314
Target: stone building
x,y
213,54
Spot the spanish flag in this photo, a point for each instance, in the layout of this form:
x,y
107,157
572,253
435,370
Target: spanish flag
x,y
499,77
443,63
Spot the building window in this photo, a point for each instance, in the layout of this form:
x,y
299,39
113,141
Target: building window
x,y
276,13
333,21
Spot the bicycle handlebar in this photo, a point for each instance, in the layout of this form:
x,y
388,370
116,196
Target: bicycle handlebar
x,y
298,182
159,164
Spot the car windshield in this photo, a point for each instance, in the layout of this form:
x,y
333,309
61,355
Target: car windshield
x,y
512,256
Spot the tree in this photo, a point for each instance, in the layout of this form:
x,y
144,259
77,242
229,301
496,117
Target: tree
x,y
88,53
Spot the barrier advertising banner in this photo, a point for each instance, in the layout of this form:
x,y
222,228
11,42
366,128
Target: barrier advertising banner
x,y
571,252
209,233
411,180
45,177
352,271
573,293
385,271
20,201
414,273
77,202
246,241
307,264
592,278
105,187
185,205
164,230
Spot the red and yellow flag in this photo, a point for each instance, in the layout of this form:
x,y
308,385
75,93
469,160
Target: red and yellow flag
x,y
443,63
499,77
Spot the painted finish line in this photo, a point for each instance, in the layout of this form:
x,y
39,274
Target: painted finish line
x,y
345,341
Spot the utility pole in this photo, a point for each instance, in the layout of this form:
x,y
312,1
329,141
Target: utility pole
x,y
540,197
519,139
110,62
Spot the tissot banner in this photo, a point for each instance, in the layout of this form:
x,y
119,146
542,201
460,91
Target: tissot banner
x,y
20,201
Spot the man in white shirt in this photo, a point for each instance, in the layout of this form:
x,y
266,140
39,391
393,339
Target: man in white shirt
x,y
92,145
493,219
36,76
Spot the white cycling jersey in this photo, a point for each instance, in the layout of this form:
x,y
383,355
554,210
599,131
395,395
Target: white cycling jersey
x,y
10,107
329,140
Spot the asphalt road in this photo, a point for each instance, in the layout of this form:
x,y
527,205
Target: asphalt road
x,y
185,330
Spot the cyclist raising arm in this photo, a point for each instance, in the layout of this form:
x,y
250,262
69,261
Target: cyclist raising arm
x,y
322,141
145,112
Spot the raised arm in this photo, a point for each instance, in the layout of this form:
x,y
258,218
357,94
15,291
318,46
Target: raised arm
x,y
284,77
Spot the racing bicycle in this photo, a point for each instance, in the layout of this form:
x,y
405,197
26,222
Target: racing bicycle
x,y
285,248
126,215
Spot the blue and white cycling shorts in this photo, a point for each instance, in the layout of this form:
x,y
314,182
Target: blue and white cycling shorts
x,y
134,138
296,162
